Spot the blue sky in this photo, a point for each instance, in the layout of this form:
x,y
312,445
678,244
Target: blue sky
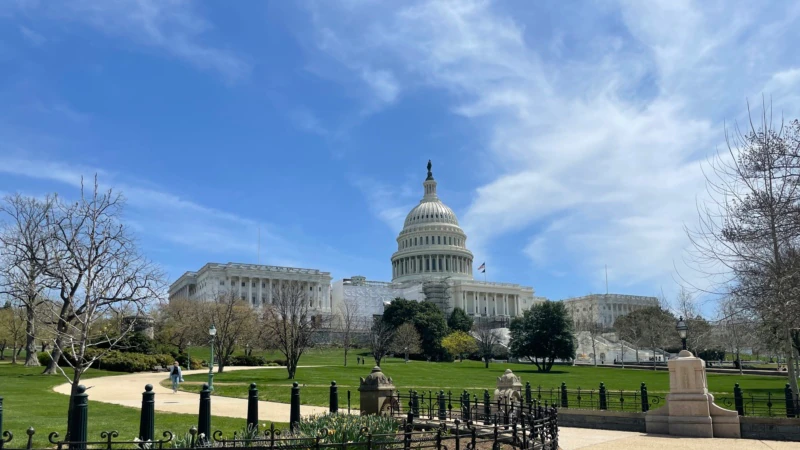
x,y
567,136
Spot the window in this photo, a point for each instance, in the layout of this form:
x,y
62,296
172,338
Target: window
x,y
263,285
253,284
440,240
222,282
426,240
415,241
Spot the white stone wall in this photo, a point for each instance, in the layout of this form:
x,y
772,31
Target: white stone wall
x,y
606,308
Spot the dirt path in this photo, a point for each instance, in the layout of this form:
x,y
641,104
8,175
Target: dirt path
x,y
126,390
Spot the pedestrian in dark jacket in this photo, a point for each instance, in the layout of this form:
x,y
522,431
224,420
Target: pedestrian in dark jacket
x,y
176,376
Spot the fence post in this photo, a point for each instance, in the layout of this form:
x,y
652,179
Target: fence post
x,y
528,393
467,414
564,399
603,402
334,398
487,407
79,420
294,412
147,419
204,419
442,407
787,391
738,399
348,402
252,408
645,401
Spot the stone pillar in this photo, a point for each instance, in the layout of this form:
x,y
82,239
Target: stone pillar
x,y
377,394
269,291
690,409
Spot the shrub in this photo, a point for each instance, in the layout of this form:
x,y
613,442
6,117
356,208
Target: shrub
x,y
196,363
343,428
244,360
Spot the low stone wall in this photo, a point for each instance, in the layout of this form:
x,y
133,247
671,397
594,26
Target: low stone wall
x,y
601,420
767,428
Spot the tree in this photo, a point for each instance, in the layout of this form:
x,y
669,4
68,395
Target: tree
x,y
177,323
487,338
12,330
655,327
543,334
748,232
290,324
347,322
592,328
234,320
737,330
459,343
406,340
381,335
98,270
23,261
628,330
699,332
459,321
427,318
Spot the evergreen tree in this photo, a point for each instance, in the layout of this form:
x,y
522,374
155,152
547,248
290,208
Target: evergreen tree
x,y
459,321
543,334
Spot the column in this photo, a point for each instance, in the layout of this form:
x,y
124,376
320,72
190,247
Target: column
x,y
258,292
250,290
505,304
269,291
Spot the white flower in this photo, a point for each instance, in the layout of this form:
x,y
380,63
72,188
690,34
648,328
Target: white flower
x,y
202,435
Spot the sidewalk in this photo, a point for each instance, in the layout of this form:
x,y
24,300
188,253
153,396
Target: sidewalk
x,y
126,390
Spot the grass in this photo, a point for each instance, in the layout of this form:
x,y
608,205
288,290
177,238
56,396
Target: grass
x,y
29,400
273,384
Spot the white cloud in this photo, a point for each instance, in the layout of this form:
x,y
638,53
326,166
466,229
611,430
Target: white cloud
x,y
33,37
172,26
599,155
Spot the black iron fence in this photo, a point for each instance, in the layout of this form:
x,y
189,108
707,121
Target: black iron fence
x,y
535,428
762,404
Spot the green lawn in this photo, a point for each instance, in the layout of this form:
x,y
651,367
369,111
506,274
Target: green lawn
x,y
28,400
273,384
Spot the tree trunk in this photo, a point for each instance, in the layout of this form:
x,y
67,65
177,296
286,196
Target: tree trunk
x,y
14,354
76,380
345,356
594,352
3,346
486,360
31,358
55,356
790,369
654,358
377,360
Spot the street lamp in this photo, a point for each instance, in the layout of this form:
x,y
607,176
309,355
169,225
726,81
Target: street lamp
x,y
682,330
212,331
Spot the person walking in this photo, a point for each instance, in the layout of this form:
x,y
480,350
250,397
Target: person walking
x,y
176,376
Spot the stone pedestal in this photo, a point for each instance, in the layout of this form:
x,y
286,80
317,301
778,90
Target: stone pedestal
x,y
509,388
377,393
690,410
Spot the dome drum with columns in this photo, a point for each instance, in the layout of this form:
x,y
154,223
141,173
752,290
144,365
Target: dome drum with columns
x,y
431,243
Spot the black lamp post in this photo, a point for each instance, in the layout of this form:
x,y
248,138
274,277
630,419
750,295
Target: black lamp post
x,y
682,331
212,331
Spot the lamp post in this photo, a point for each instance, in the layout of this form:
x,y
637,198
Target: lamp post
x,y
188,356
212,331
682,331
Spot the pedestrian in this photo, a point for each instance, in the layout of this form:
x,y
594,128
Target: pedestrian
x,y
176,376
359,360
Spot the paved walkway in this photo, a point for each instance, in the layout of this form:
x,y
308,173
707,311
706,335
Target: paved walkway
x,y
126,390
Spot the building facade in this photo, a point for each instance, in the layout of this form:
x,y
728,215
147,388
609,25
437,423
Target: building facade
x,y
433,263
604,309
253,283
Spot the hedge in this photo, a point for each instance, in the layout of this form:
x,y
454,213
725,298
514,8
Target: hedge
x,y
117,361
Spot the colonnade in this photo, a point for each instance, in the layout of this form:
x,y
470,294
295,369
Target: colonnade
x,y
258,290
489,304
431,264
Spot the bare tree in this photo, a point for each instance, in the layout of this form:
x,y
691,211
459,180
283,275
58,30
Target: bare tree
x,y
234,320
23,263
290,323
699,334
177,323
347,323
593,329
381,335
748,235
629,331
736,329
487,338
406,340
99,270
12,330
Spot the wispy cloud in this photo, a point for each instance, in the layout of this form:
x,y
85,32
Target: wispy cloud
x,y
389,203
305,120
33,37
598,145
173,26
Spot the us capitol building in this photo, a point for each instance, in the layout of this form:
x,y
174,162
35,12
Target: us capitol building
x,y
433,263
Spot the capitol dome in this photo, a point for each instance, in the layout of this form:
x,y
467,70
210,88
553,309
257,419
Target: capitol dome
x,y
431,245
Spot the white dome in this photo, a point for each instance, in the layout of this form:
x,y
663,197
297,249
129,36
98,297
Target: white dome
x,y
431,212
431,245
